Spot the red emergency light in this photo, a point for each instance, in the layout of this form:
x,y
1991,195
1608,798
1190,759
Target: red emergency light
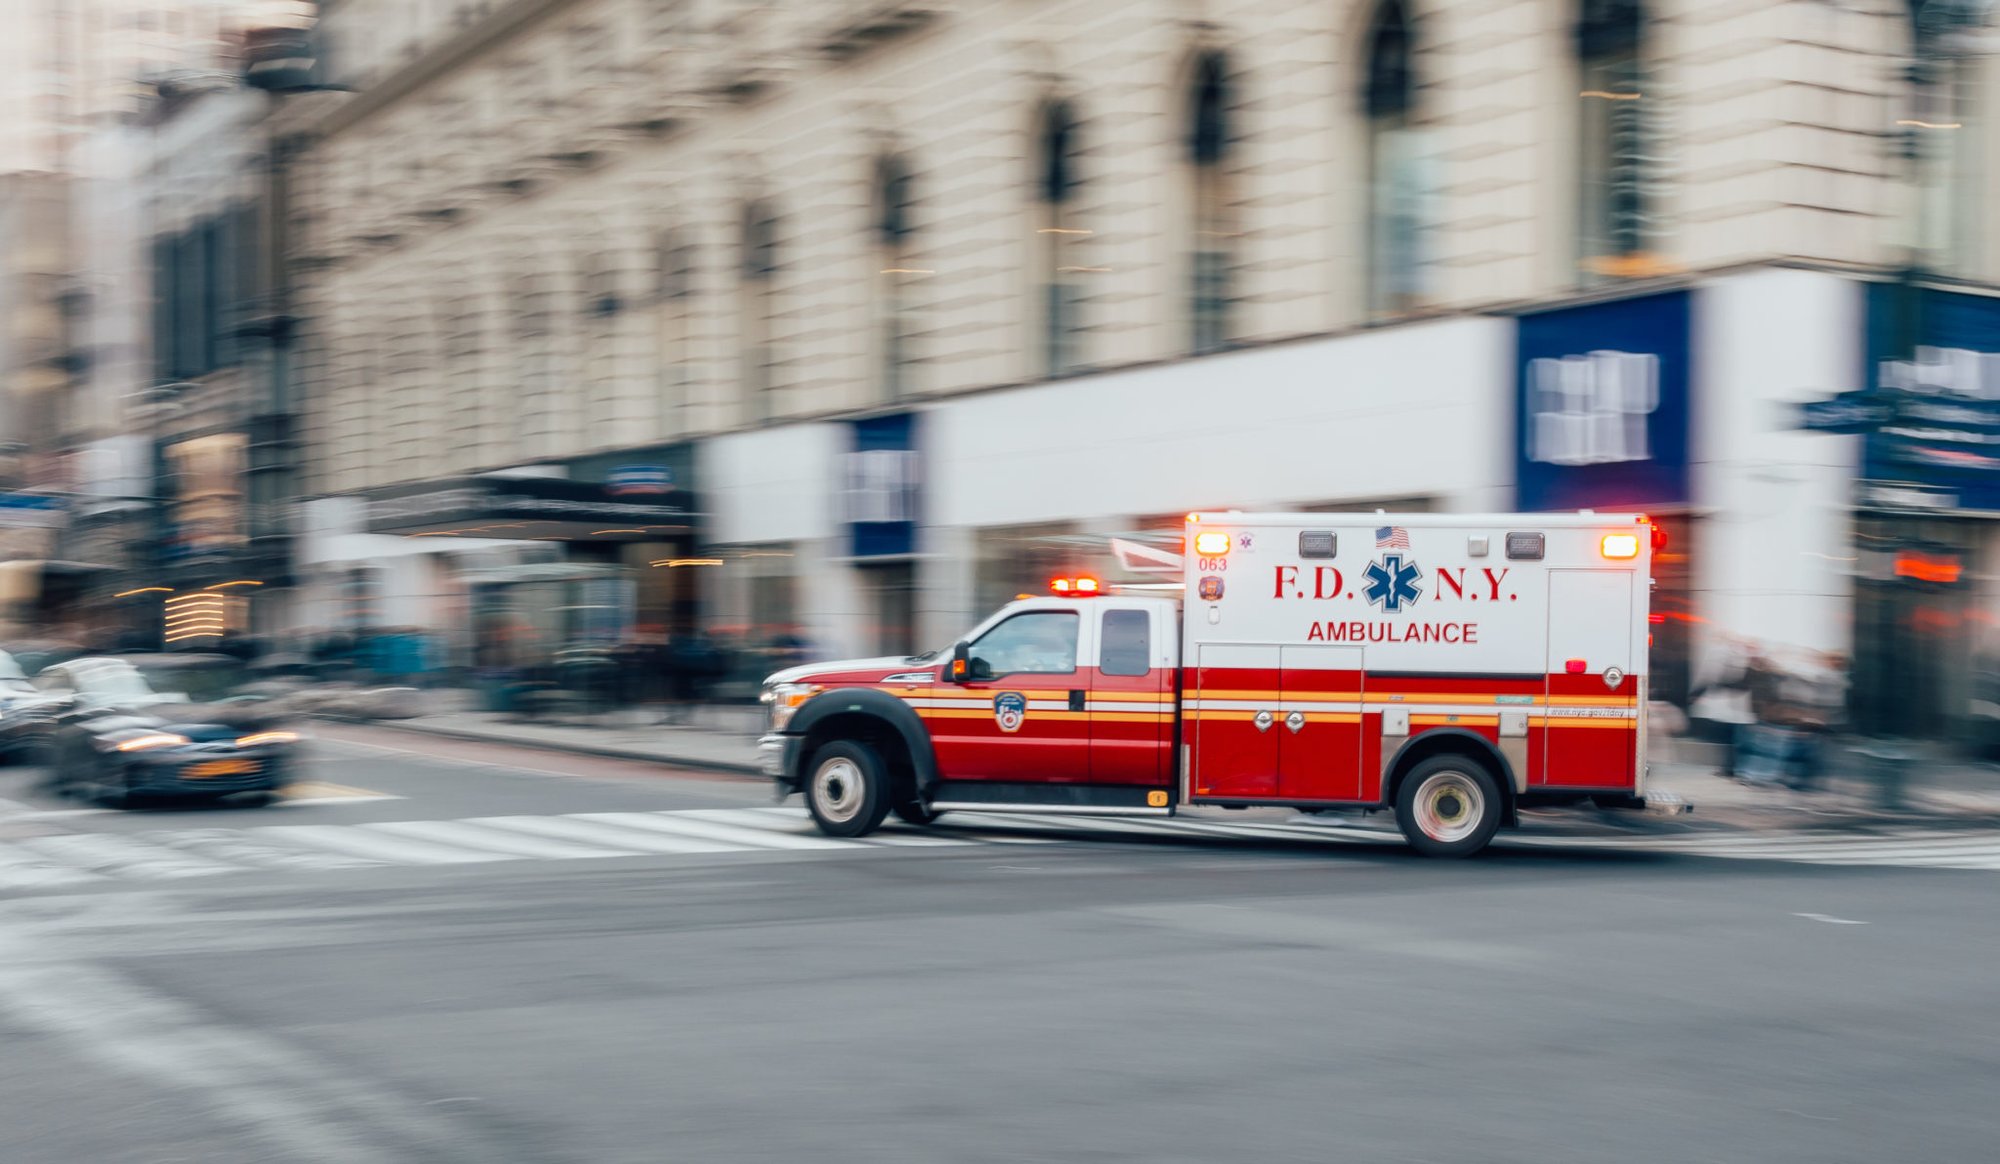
x,y
1081,586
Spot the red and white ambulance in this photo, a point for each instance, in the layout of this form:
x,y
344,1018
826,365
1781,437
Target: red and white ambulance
x,y
1451,668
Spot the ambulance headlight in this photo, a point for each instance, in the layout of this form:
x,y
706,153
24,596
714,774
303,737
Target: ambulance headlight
x,y
784,699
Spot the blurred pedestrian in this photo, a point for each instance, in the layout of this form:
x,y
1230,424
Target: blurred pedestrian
x,y
1721,707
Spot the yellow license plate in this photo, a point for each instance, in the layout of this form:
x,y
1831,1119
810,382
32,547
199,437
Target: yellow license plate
x,y
219,768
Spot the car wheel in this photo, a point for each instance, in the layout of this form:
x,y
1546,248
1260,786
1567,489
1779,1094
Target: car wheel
x,y
114,788
847,789
1448,806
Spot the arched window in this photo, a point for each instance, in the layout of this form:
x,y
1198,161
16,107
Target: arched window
x,y
532,320
1208,144
1616,216
603,310
673,293
758,250
895,231
1943,128
1060,239
1395,186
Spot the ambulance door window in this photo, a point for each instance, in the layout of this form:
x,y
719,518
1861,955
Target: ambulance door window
x,y
1131,729
1590,727
1020,716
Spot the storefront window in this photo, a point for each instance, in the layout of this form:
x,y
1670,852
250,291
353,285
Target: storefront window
x,y
1923,653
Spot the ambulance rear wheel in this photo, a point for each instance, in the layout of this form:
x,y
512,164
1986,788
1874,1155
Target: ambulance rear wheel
x,y
847,789
1449,806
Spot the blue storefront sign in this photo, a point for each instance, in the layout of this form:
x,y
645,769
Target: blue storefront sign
x,y
1602,405
1937,410
880,486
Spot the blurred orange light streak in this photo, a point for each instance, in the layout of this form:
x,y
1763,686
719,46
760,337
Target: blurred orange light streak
x,y
1606,95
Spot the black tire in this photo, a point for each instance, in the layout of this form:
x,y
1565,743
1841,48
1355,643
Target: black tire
x,y
1449,806
847,789
914,811
114,787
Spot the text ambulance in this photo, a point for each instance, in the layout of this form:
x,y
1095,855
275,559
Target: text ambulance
x,y
1452,668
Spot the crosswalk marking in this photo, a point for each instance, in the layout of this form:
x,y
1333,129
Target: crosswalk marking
x,y
610,836
700,824
490,836
110,853
56,861
386,848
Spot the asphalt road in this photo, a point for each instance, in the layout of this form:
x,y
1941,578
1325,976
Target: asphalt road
x,y
1050,994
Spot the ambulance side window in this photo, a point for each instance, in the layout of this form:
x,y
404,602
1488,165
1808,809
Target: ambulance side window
x,y
1127,647
1040,642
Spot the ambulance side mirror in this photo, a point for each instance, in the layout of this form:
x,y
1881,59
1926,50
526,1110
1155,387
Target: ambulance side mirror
x,y
960,669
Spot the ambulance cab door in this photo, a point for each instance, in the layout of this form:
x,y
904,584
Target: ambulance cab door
x,y
1590,725
1020,716
1131,695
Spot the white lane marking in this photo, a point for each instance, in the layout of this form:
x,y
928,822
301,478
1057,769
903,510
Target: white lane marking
x,y
649,823
692,824
21,870
607,835
1830,919
383,847
319,801
116,855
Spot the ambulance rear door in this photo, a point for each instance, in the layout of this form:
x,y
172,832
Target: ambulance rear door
x,y
1589,724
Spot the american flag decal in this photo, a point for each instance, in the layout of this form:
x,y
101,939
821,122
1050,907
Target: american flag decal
x,y
1392,537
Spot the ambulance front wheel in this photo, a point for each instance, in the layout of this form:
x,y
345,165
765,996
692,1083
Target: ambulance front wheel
x,y
847,789
1449,806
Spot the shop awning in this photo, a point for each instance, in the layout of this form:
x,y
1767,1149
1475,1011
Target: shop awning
x,y
529,508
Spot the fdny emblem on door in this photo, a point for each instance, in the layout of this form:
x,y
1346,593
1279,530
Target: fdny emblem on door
x,y
1010,710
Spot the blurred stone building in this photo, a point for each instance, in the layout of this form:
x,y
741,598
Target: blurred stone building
x,y
868,311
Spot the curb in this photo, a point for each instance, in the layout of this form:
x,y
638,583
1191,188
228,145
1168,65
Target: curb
x,y
598,750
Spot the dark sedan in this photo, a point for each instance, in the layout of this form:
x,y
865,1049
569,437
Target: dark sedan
x,y
120,741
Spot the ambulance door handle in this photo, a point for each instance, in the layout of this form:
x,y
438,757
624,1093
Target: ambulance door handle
x,y
1263,721
1295,721
1076,701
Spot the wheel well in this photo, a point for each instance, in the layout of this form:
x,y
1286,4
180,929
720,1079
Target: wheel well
x,y
874,731
1449,743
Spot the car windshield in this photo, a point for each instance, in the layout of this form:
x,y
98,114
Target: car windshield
x,y
114,680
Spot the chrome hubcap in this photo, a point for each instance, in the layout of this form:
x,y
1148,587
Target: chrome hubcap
x,y
1449,806
837,789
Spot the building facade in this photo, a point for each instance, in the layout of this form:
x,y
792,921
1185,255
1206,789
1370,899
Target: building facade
x,y
936,294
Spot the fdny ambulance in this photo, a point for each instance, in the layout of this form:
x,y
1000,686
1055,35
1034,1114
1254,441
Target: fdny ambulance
x,y
1452,669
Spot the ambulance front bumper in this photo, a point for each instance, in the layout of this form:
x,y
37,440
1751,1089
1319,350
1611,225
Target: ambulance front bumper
x,y
777,756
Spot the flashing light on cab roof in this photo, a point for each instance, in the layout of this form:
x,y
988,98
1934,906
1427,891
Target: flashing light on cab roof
x,y
1620,546
1082,586
1211,543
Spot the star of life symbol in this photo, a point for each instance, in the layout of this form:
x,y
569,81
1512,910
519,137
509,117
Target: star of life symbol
x,y
1393,585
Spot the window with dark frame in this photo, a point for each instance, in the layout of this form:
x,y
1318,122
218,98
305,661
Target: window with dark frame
x,y
1127,648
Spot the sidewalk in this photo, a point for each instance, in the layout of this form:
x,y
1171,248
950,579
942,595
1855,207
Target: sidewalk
x,y
722,738
712,737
